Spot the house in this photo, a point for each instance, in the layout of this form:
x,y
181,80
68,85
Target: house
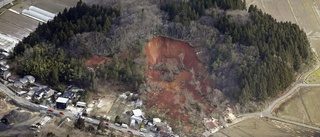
x,y
30,79
61,103
48,92
24,81
6,75
211,124
12,78
228,115
18,84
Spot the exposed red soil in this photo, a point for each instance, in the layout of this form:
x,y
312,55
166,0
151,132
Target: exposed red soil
x,y
96,61
162,50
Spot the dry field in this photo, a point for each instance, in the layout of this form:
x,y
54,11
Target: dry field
x,y
303,107
261,127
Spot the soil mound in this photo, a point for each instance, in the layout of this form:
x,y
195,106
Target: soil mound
x,y
180,86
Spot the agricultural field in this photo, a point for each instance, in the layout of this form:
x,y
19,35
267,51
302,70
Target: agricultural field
x,y
303,107
314,78
263,127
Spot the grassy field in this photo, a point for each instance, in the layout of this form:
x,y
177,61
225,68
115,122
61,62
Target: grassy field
x,y
302,107
314,78
261,127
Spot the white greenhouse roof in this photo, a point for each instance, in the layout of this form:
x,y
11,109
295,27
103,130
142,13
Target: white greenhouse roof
x,y
41,11
38,14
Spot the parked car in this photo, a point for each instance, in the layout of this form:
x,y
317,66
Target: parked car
x,y
107,124
61,113
141,134
50,110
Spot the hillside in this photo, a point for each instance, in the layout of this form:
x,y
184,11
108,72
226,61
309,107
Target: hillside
x,y
188,60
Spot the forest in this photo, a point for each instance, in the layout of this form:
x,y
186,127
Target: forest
x,y
277,50
56,51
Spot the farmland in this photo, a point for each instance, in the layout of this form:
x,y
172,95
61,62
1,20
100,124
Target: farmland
x,y
303,107
264,128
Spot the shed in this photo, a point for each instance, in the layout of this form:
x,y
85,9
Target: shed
x,y
61,103
16,116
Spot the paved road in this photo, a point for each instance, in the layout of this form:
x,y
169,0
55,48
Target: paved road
x,y
267,112
27,104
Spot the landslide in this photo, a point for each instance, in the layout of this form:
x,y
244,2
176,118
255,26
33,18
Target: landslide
x,y
181,90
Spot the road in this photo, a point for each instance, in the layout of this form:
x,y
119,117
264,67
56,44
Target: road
x,y
267,111
27,104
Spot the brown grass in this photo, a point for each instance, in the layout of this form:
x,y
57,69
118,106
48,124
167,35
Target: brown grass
x,y
303,107
260,127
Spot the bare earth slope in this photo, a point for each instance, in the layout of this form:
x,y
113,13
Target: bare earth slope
x,y
180,83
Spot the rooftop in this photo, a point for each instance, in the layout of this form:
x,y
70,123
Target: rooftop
x,y
62,100
137,112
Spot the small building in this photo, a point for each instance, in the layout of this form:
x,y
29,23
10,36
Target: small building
x,y
228,115
211,124
68,94
61,103
81,104
12,78
30,79
24,81
137,117
156,120
18,84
